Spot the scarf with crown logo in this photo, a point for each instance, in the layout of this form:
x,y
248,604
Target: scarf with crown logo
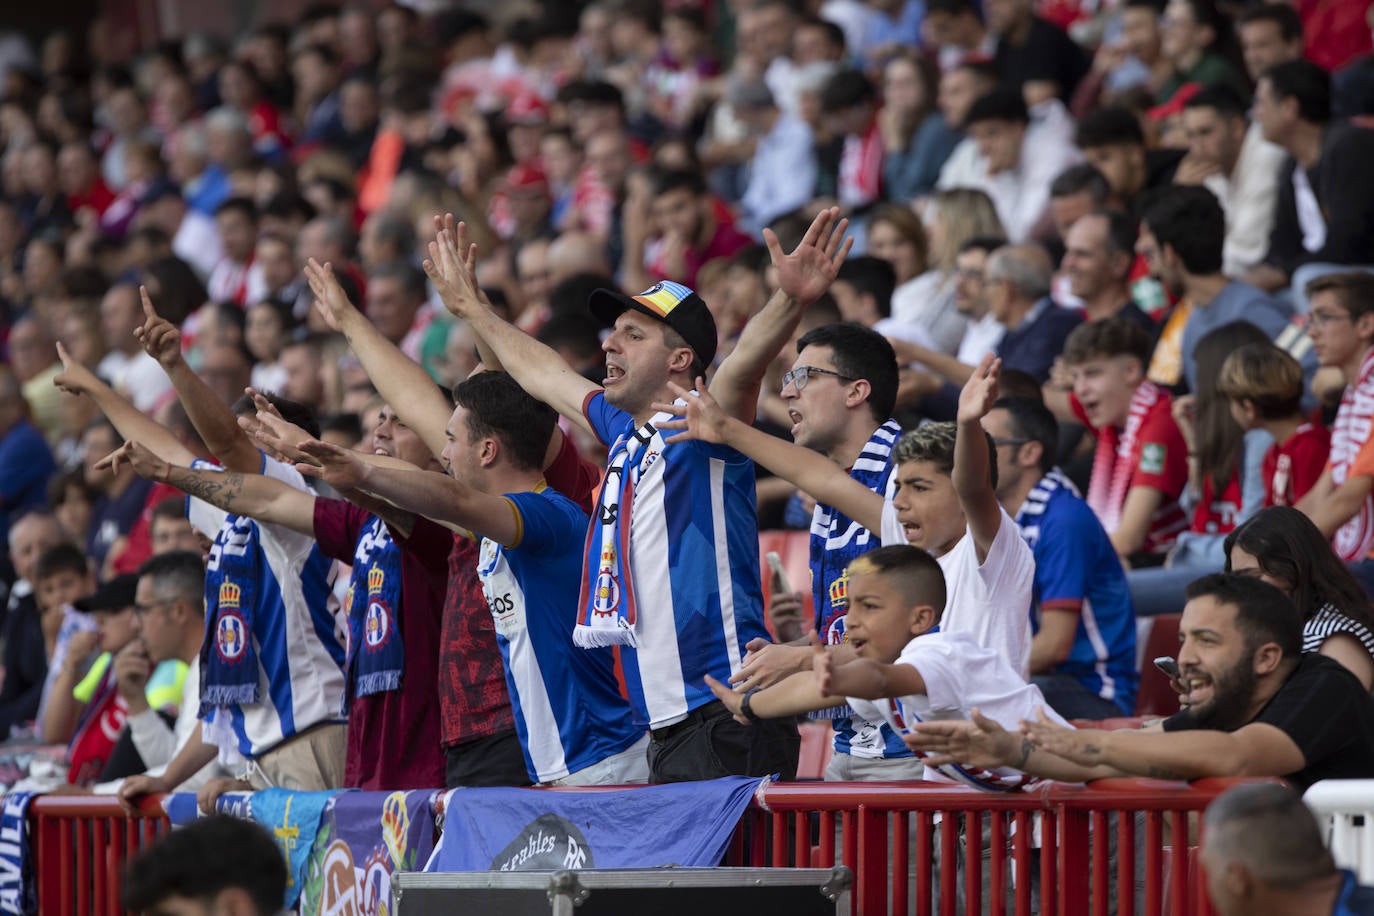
x,y
228,660
376,654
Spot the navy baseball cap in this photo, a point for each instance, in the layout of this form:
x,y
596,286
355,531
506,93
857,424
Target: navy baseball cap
x,y
671,303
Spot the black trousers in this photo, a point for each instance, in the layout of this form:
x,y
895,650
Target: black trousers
x,y
496,760
709,744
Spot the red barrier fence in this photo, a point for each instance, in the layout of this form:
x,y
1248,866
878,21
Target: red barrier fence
x,y
906,843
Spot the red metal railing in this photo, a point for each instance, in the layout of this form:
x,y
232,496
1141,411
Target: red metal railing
x,y
887,833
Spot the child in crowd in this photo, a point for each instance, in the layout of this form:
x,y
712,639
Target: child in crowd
x,y
61,577
1141,463
900,665
1264,386
944,501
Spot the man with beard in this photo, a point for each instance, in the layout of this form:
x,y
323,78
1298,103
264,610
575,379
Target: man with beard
x,y
1255,706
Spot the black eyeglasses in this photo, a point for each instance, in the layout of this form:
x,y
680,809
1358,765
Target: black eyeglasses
x,y
801,374
1014,443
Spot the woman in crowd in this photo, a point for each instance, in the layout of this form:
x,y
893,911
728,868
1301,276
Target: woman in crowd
x,y
916,138
926,298
1281,546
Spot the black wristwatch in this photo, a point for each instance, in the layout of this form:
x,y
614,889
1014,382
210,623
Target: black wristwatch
x,y
745,708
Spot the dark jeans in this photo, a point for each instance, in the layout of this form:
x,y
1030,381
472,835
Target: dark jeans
x,y
1068,697
496,760
709,743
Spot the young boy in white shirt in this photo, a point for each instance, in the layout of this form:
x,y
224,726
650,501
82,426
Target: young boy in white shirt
x,y
945,501
900,666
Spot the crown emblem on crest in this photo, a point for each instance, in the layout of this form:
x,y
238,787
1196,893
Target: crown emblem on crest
x,y
375,579
839,591
608,554
229,594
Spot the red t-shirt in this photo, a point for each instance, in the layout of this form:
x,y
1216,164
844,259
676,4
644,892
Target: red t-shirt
x,y
139,546
98,197
1218,515
1292,467
1335,31
394,736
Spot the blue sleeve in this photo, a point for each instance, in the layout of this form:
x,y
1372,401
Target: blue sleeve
x,y
1252,486
1064,562
606,421
549,524
25,463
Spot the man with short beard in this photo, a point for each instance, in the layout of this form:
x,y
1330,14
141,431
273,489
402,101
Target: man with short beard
x,y
1256,706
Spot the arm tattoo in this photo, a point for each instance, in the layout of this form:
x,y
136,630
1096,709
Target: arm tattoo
x,y
217,489
1027,748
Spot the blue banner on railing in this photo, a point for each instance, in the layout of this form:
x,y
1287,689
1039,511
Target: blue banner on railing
x,y
293,819
18,895
687,824
364,838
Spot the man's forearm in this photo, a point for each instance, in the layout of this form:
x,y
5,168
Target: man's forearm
x,y
433,495
810,472
133,424
1172,755
736,383
252,495
537,367
215,423
793,696
402,382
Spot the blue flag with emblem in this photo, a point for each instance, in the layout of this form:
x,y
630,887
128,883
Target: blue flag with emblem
x,y
687,824
293,819
18,894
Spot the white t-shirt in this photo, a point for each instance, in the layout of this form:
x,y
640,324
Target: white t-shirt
x,y
959,675
990,602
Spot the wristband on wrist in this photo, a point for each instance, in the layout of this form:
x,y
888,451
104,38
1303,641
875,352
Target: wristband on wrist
x,y
745,707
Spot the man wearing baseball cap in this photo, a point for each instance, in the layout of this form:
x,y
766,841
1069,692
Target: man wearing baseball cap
x,y
678,589
104,709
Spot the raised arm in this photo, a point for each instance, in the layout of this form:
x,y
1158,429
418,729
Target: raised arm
x,y
704,419
402,382
972,463
803,277
131,423
538,368
428,493
253,495
212,418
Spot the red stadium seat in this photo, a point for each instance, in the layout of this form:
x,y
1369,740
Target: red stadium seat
x,y
817,744
1156,697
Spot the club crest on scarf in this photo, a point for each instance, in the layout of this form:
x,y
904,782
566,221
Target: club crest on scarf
x,y
231,633
377,620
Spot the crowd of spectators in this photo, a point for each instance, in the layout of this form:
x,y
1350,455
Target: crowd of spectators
x,y
328,396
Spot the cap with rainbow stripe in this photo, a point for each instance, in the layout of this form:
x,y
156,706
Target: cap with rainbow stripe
x,y
671,303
